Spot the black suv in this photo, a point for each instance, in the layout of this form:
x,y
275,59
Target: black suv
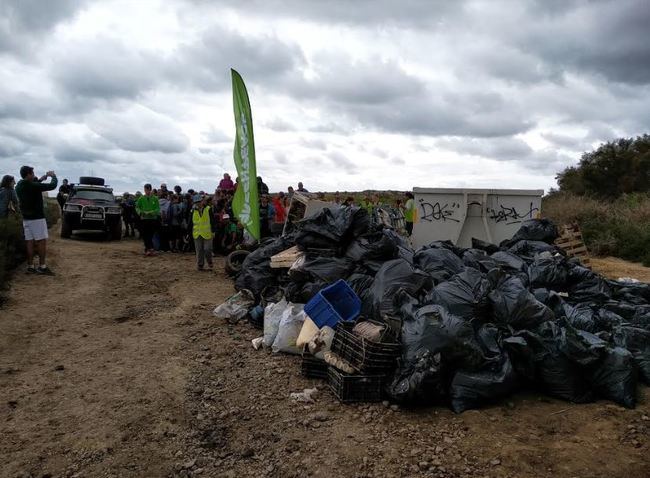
x,y
91,206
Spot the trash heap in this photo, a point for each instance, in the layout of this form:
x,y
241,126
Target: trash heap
x,y
448,325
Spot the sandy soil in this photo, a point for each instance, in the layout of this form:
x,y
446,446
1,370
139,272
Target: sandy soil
x,y
116,368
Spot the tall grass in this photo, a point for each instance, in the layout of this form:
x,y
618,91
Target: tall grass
x,y
618,228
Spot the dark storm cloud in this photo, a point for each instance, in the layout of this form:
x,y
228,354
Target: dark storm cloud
x,y
369,82
105,68
547,161
205,63
364,12
24,22
11,147
139,129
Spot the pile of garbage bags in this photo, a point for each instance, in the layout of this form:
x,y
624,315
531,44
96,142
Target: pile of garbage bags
x,y
475,324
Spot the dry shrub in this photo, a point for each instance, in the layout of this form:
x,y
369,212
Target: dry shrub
x,y
618,228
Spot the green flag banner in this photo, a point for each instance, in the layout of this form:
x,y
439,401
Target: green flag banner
x,y
245,203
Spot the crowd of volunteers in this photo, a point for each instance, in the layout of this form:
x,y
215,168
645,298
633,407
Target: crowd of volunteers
x,y
171,220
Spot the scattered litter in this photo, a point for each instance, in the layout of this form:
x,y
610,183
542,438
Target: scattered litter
x,y
308,395
236,306
258,342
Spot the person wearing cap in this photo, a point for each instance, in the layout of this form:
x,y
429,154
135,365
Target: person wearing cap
x,y
148,209
30,198
202,227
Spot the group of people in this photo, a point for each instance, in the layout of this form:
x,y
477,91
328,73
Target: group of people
x,y
170,220
177,221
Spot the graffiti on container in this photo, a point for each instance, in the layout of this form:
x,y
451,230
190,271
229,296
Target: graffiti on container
x,y
510,215
438,212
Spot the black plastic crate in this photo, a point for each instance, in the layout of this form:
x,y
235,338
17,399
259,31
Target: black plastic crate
x,y
313,367
364,355
355,388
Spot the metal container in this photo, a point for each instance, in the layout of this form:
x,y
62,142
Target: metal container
x,y
458,215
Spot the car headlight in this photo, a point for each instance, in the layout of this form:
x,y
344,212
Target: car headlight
x,y
72,208
113,210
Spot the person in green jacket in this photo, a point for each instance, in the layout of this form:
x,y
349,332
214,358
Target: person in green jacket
x,y
148,209
30,199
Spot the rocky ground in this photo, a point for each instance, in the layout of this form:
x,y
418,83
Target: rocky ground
x,y
117,367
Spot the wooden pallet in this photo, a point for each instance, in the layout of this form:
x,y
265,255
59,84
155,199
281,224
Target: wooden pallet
x,y
571,242
286,259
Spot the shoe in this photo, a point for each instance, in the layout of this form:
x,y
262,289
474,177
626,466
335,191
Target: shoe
x,y
31,270
46,271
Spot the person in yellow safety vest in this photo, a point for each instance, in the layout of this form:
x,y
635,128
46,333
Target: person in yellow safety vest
x,y
410,213
202,231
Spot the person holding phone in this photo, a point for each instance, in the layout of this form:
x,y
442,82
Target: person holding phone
x,y
30,191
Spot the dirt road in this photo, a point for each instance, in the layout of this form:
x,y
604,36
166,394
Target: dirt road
x,y
116,368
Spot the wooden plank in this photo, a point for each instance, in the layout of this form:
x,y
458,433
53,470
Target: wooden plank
x,y
569,243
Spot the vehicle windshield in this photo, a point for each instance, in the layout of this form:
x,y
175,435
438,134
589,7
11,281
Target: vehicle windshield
x,y
94,195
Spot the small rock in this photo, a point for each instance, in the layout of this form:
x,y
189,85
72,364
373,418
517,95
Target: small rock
x,y
495,462
189,464
394,407
423,465
247,453
386,403
645,418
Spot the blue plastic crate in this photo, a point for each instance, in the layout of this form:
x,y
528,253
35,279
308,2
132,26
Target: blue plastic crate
x,y
332,304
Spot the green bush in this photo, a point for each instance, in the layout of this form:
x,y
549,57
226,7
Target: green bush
x,y
619,228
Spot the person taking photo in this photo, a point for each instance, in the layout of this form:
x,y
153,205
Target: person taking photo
x,y
30,191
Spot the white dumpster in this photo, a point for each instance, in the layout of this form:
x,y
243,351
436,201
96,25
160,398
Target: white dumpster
x,y
458,215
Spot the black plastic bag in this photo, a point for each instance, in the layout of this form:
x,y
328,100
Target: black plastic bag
x,y
394,275
301,293
587,286
508,261
530,248
374,246
323,269
615,377
536,230
633,293
561,359
432,328
549,272
419,382
470,390
637,341
484,246
464,295
361,284
256,272
606,320
335,226
439,262
512,303
473,258
580,317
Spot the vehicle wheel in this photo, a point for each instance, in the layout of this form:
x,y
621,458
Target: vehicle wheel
x,y
116,232
66,230
91,180
234,262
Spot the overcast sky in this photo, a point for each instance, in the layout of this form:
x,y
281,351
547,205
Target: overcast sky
x,y
346,95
